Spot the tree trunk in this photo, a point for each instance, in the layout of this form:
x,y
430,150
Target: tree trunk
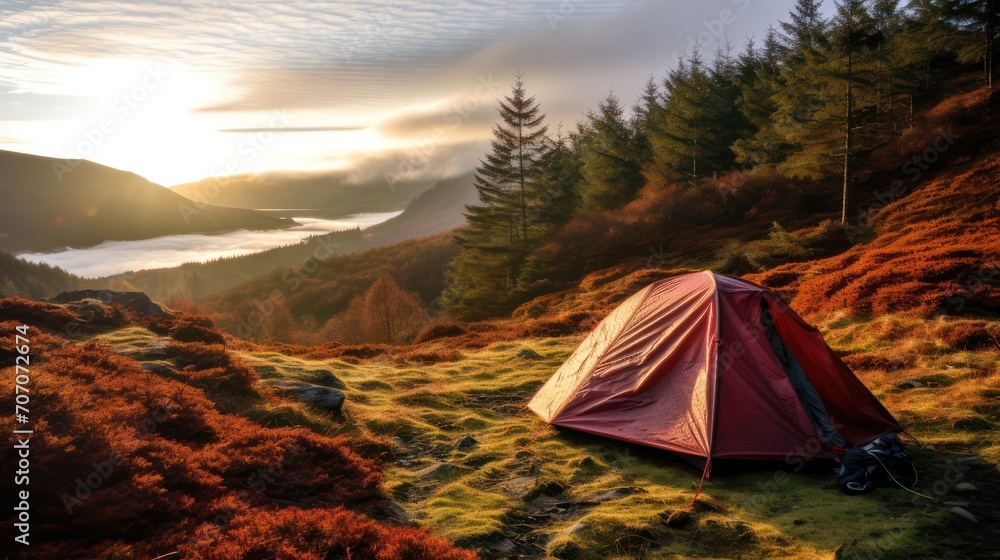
x,y
991,15
847,136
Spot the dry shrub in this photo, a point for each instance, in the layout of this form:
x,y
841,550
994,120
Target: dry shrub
x,y
442,329
181,463
316,534
435,356
561,325
48,316
936,251
195,328
211,367
970,335
881,361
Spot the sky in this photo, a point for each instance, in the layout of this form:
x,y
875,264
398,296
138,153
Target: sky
x,y
181,90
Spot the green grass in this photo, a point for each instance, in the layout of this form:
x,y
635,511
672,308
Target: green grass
x,y
533,491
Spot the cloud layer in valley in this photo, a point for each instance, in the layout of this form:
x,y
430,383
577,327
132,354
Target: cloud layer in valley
x,y
362,84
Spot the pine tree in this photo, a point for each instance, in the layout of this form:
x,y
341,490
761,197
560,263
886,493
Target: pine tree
x,y
496,239
759,81
611,169
981,20
693,132
805,32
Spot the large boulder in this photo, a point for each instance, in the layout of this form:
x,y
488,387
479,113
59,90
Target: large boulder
x,y
317,396
136,302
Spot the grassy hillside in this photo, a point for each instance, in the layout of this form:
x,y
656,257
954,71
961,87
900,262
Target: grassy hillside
x,y
519,489
177,441
52,203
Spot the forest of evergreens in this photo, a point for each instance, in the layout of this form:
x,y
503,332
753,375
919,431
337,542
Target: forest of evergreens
x,y
806,104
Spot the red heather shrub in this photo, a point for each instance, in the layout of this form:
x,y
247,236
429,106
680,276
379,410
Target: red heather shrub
x,y
937,250
133,462
195,328
315,534
41,315
210,366
444,329
970,335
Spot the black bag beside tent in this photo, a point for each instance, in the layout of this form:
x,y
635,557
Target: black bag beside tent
x,y
883,462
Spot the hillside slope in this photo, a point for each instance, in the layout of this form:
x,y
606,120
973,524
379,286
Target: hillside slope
x,y
52,203
321,194
180,437
937,245
432,213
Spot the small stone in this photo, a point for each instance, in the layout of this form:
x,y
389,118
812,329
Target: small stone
x,y
679,518
467,442
964,514
502,545
441,471
578,527
323,398
397,441
965,488
528,354
910,384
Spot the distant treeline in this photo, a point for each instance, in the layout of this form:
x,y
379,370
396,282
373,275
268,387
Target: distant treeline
x,y
807,103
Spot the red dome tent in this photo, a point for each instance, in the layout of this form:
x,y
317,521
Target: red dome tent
x,y
714,367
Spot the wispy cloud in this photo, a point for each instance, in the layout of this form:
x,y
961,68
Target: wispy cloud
x,y
356,75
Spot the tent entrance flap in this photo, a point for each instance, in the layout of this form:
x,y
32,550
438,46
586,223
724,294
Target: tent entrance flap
x,y
808,396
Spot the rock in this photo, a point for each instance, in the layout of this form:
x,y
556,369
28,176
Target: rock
x,y
326,377
502,545
397,441
91,310
678,518
323,398
964,514
910,384
965,488
528,354
136,302
578,527
441,471
467,442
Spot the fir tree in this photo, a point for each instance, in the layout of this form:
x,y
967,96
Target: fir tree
x,y
611,169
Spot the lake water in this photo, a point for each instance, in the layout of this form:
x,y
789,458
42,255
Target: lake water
x,y
114,257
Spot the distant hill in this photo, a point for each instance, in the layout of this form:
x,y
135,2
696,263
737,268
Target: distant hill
x,y
52,203
327,194
435,211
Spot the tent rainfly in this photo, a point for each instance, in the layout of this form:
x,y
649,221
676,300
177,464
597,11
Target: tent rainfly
x,y
710,366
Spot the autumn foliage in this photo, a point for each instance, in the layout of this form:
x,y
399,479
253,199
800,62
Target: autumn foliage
x,y
130,463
